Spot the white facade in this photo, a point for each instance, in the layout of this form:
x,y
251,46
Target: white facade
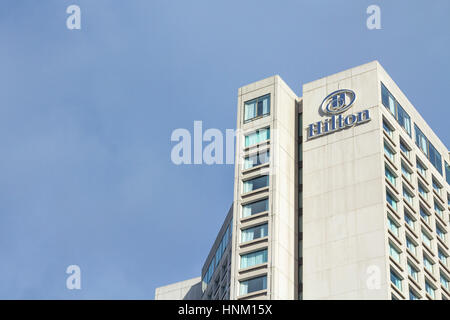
x,y
347,239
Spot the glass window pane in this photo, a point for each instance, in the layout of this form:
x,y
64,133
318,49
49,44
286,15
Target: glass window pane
x,y
256,160
394,253
393,226
250,110
388,152
252,285
410,245
266,105
390,199
447,174
255,207
404,119
435,158
429,289
389,175
256,108
421,140
395,279
392,105
254,258
384,96
253,233
257,137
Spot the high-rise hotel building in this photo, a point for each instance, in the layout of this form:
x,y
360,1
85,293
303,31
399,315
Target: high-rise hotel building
x,y
343,193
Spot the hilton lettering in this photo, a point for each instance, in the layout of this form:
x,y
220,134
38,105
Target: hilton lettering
x,y
336,123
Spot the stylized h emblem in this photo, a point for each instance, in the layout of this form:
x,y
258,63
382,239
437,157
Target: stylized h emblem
x,y
338,101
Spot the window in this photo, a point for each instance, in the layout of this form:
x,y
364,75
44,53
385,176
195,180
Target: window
x,y
426,239
256,137
300,125
388,129
407,195
411,246
396,280
447,172
413,271
252,285
421,168
406,172
429,289
428,264
257,108
393,226
300,176
435,158
442,256
404,119
253,233
436,186
423,192
444,281
389,175
409,220
256,159
394,253
440,232
395,109
388,151
388,99
254,258
439,211
255,207
430,151
390,199
256,183
300,152
404,148
425,215
300,200
421,140
413,295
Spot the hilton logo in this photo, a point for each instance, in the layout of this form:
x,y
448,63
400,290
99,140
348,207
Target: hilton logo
x,y
333,105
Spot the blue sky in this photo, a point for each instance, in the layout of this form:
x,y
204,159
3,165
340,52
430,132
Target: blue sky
x,y
86,117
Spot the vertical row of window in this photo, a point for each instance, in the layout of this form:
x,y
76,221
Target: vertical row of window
x,y
300,207
255,109
404,120
206,279
425,231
